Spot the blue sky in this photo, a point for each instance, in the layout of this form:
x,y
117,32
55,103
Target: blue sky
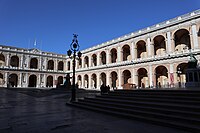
x,y
53,22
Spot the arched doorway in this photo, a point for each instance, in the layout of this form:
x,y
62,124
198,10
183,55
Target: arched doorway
x,y
13,80
60,80
49,82
126,77
2,60
102,79
94,81
113,54
114,80
182,40
94,60
159,45
142,78
126,52
79,81
141,49
103,57
181,74
1,79
32,81
14,61
34,63
161,77
60,66
50,65
80,63
86,61
86,83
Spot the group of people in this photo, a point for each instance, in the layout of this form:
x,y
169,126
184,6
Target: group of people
x,y
104,88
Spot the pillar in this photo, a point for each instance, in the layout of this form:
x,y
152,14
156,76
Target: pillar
x,y
98,81
119,54
7,59
20,80
82,82
90,60
21,61
83,62
133,51
149,47
134,77
150,76
108,79
90,81
5,79
107,56
120,79
45,80
172,76
98,59
194,37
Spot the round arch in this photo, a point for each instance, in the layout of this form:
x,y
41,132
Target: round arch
x,y
113,54
126,77
32,81
159,45
126,52
14,61
142,78
68,65
181,74
2,60
49,82
86,61
13,80
103,57
34,63
182,40
162,80
103,79
50,65
79,81
114,79
94,80
94,60
60,80
86,81
60,66
141,49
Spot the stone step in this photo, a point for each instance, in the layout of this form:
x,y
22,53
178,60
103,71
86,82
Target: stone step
x,y
188,97
191,108
182,113
154,99
163,122
159,91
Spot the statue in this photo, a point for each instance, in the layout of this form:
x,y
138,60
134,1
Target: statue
x,y
192,63
67,83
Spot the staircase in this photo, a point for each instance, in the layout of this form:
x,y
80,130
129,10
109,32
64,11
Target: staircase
x,y
174,108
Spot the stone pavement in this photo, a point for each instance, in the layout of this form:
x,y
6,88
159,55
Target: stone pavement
x,y
22,113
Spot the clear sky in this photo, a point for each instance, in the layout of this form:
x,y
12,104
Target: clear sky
x,y
53,22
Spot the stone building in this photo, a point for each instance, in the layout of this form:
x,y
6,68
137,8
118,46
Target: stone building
x,y
156,56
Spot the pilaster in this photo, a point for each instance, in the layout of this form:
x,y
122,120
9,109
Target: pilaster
x,y
194,36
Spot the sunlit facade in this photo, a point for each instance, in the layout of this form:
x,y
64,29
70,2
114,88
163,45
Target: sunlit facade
x,y
156,56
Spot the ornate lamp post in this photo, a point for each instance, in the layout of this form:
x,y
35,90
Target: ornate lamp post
x,y
179,72
74,47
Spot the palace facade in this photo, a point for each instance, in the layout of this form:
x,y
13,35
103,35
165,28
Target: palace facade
x,y
156,56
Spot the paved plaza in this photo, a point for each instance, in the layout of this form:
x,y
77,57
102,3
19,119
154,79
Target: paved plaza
x,y
43,112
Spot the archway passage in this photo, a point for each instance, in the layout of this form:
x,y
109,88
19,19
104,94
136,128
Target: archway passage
x,y
126,77
141,49
32,81
1,79
94,81
60,80
86,61
60,66
114,80
161,77
86,83
103,58
159,45
34,63
181,73
102,79
126,52
50,65
2,60
13,80
14,61
49,82
79,81
182,40
94,60
142,78
113,55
